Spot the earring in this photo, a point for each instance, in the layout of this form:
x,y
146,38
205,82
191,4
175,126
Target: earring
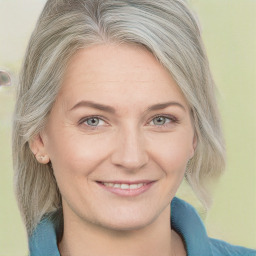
x,y
42,159
39,157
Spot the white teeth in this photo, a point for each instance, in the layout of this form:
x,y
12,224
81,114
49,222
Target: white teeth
x,y
124,186
141,184
134,186
109,184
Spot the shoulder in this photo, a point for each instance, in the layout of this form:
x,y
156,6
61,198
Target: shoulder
x,y
222,248
186,221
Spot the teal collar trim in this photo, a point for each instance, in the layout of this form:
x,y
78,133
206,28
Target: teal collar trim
x,y
186,221
44,241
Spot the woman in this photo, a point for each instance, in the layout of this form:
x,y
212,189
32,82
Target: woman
x,y
115,107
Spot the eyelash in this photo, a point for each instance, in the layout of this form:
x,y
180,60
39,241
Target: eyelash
x,y
83,120
173,120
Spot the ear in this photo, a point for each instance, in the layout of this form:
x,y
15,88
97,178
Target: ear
x,y
37,147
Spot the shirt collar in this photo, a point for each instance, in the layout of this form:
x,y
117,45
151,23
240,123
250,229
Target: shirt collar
x,y
44,241
184,220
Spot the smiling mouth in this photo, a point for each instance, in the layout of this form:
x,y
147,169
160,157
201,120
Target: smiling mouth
x,y
126,188
123,185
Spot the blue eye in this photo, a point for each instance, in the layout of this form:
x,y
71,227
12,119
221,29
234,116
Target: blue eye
x,y
94,121
163,120
160,120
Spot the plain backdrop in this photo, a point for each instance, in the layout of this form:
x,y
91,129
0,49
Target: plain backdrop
x,y
228,28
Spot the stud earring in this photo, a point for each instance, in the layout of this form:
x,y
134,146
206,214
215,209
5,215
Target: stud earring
x,y
42,159
39,157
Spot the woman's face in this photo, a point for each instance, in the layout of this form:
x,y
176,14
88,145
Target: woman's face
x,y
119,137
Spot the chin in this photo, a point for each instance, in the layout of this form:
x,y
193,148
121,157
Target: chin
x,y
125,224
128,221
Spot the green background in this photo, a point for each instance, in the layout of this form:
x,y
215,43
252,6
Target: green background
x,y
228,28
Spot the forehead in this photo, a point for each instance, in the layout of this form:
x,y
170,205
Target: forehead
x,y
124,72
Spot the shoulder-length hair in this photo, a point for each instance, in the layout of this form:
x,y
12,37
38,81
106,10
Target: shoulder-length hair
x,y
167,28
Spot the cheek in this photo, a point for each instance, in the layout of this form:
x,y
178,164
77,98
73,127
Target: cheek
x,y
76,154
171,155
172,151
74,159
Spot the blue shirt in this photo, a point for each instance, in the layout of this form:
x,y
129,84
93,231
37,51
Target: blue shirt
x,y
184,220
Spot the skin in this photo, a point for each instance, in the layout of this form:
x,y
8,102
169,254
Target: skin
x,y
130,144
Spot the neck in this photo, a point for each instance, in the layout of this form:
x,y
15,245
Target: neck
x,y
83,239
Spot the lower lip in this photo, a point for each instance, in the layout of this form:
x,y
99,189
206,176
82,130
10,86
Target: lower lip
x,y
127,192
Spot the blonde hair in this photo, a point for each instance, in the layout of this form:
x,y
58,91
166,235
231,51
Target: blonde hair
x,y
167,28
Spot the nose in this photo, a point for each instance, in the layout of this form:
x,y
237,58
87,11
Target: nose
x,y
130,152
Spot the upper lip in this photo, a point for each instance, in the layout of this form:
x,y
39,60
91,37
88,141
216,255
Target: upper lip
x,y
127,182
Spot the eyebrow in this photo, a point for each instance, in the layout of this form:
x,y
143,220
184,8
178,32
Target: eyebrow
x,y
165,105
95,105
111,110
